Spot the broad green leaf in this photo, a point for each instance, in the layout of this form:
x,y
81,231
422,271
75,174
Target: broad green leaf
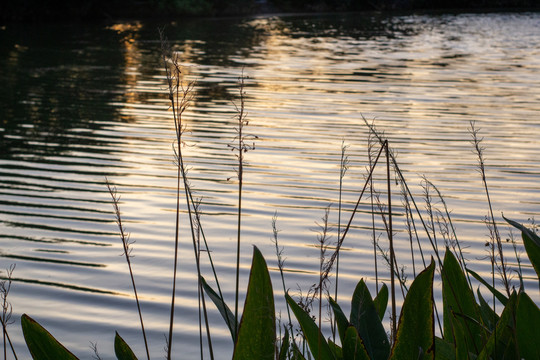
x,y
42,345
489,317
531,242
336,350
415,336
459,336
527,327
257,332
444,350
224,310
315,339
341,319
501,337
365,318
381,301
502,298
353,348
122,349
458,298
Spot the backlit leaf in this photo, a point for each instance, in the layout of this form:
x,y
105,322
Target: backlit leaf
x,y
42,345
257,332
415,335
122,349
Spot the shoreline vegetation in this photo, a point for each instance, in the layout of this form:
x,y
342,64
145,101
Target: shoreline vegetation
x,y
476,320
104,10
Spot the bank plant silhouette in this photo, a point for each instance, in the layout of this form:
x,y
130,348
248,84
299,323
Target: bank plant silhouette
x,y
467,326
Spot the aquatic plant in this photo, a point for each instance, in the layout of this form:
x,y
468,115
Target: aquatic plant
x,y
468,326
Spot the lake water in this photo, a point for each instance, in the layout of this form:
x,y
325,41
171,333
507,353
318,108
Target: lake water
x,y
81,103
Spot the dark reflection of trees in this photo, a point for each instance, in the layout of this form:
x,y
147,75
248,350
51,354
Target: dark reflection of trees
x,y
223,41
55,78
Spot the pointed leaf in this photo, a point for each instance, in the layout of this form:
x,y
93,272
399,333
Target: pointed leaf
x,y
335,349
531,242
353,348
42,345
459,298
341,319
381,301
501,338
224,310
257,332
527,327
122,349
415,336
365,318
502,299
315,339
489,317
459,336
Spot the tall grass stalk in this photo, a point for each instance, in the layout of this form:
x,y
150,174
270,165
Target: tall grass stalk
x,y
409,223
343,167
497,242
391,239
400,177
180,96
126,246
201,234
455,243
172,87
5,319
281,263
322,238
194,221
240,146
329,264
371,146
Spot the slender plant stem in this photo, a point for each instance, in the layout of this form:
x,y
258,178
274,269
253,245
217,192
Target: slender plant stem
x,y
437,256
195,250
359,198
241,147
497,237
371,197
391,238
127,253
5,287
342,170
280,264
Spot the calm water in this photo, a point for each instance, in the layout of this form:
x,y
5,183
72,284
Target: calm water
x,y
79,104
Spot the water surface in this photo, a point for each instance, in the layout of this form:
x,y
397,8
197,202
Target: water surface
x,y
81,103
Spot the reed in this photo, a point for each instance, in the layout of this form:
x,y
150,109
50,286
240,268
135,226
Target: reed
x,y
343,167
126,246
7,309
